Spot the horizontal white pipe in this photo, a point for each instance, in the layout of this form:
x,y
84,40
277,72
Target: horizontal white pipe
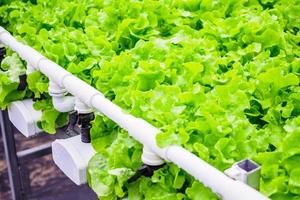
x,y
141,130
226,187
9,40
27,53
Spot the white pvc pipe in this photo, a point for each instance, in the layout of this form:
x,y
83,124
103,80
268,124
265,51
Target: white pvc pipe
x,y
226,187
27,53
136,127
9,40
29,69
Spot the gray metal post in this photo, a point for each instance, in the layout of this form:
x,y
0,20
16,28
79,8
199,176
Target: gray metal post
x,y
11,156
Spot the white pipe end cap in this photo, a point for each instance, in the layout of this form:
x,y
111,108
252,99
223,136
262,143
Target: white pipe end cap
x,y
72,157
24,117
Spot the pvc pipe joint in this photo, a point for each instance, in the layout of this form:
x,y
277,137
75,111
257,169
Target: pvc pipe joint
x,y
32,56
63,103
56,90
81,107
56,73
60,101
151,158
29,69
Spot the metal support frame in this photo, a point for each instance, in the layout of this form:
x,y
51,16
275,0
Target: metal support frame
x,y
34,152
18,172
11,157
16,161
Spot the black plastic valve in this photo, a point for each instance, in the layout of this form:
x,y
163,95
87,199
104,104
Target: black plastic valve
x,y
84,126
71,128
2,54
144,170
80,124
23,82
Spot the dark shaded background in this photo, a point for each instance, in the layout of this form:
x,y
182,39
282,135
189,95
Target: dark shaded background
x,y
47,181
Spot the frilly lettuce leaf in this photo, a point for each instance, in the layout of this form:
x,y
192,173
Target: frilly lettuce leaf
x,y
220,78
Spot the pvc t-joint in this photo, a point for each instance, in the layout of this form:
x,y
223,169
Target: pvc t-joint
x,y
55,90
61,102
81,107
151,158
151,162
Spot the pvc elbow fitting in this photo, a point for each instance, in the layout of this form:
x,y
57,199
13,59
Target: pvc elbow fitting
x,y
63,103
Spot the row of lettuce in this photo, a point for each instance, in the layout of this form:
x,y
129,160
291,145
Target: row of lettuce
x,y
220,78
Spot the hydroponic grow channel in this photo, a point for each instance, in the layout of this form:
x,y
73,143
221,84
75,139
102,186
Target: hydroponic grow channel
x,y
90,98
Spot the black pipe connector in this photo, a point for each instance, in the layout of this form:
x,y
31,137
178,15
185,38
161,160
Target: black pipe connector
x,y
144,170
80,124
23,82
84,126
2,54
71,128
